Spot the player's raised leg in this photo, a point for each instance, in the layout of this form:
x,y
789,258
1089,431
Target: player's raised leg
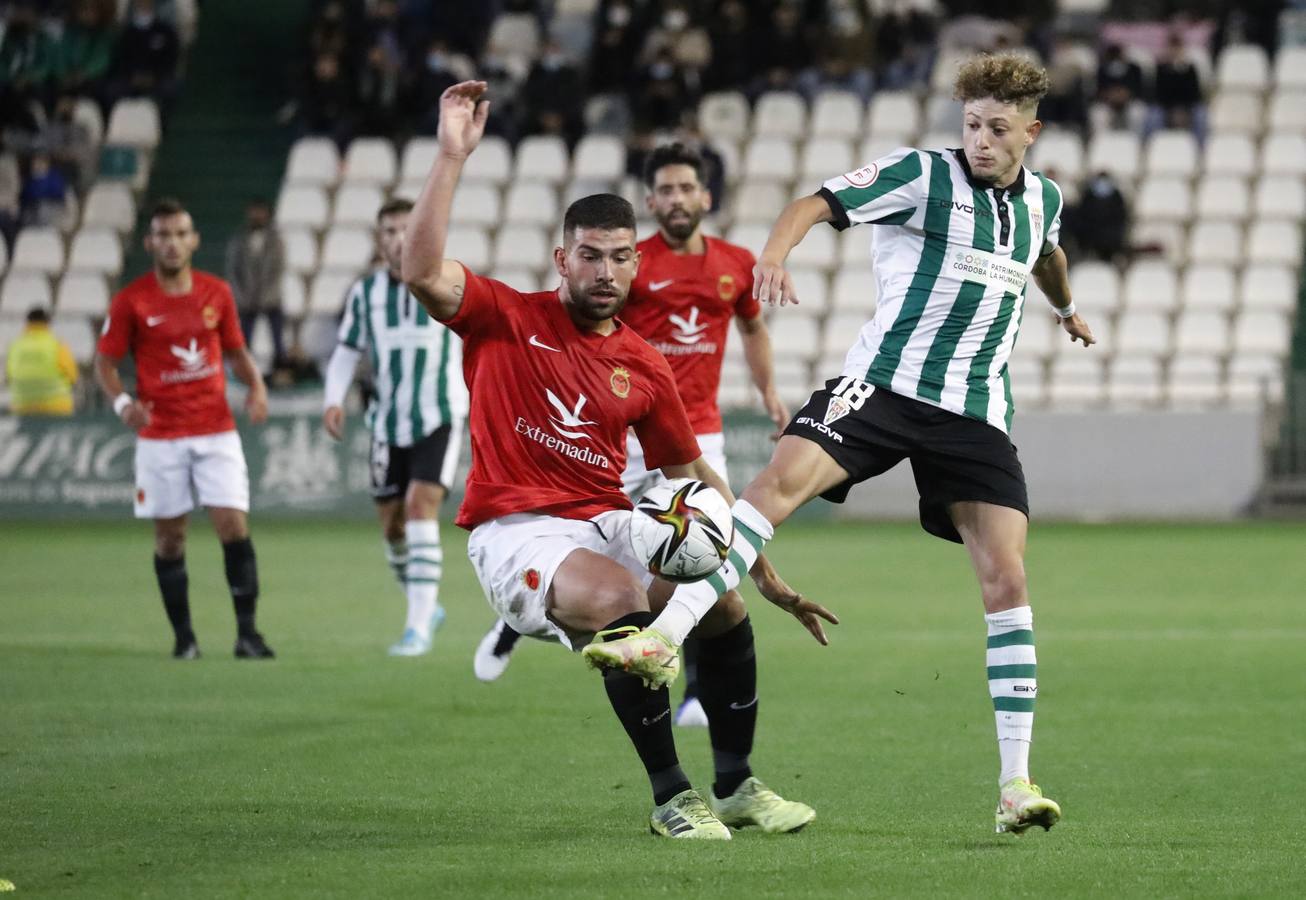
x,y
494,651
174,584
995,538
425,568
242,579
591,593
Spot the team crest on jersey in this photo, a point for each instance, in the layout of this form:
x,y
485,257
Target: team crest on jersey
x,y
620,382
1037,216
531,578
838,408
725,287
210,317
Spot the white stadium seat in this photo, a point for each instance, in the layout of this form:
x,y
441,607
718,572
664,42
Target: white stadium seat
x,y
840,333
855,246
1230,154
491,162
1037,329
531,203
942,113
110,203
1254,376
1275,242
838,114
1223,198
1143,333
371,160
1117,152
303,205
1243,67
525,280
1264,333
759,201
542,158
584,187
1209,287
87,114
417,159
855,290
1173,152
313,160
328,290
1287,113
812,288
38,249
1164,199
1290,69
134,122
1216,242
357,204
600,157
1200,332
724,115
347,248
476,203
1150,285
294,301
770,158
824,158
1284,154
750,235
1268,288
894,113
1278,197
1059,149
81,340
96,250
877,146
1076,380
797,337
938,140
780,114
1028,381
1134,381
82,293
470,246
515,34
817,250
1193,381
23,290
1096,288
301,250
1236,113
1158,236
522,247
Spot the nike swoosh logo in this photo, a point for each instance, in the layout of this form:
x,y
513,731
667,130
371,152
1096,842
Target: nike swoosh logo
x,y
659,285
752,702
535,342
151,321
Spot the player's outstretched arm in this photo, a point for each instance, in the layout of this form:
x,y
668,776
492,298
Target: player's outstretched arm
x,y
246,371
339,375
757,353
771,283
1052,274
134,414
435,281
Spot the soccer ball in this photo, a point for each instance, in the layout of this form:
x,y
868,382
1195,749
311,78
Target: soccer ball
x,y
681,530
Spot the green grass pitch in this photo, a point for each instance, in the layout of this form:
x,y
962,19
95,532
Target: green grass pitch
x,y
1171,727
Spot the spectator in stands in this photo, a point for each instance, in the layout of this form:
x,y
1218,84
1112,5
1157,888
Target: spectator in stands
x,y
380,89
45,193
844,61
327,105
147,56
612,51
687,42
1066,102
440,68
69,143
661,92
85,51
330,30
40,370
26,63
11,188
1178,88
552,96
1119,92
788,50
734,56
905,51
256,260
1099,221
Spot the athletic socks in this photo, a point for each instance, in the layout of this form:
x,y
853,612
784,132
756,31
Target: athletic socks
x,y
689,667
242,579
727,688
422,573
691,602
396,555
174,585
1013,685
646,716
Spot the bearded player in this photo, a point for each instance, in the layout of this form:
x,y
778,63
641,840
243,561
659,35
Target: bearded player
x,y
179,324
555,381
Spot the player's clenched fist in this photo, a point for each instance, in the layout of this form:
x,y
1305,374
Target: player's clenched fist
x,y
462,118
135,415
772,284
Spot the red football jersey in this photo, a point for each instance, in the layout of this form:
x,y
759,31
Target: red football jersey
x,y
550,405
682,304
177,342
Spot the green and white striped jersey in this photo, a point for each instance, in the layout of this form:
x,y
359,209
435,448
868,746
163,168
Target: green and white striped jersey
x,y
416,361
952,257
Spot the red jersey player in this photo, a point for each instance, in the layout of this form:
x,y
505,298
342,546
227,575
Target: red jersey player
x,y
555,381
179,323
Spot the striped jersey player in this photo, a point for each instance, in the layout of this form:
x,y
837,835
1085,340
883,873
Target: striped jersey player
x,y
416,417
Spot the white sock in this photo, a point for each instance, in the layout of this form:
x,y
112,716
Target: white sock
x,y
396,554
1013,685
690,602
425,566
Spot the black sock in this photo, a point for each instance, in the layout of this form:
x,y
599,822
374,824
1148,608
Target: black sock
x,y
646,716
242,578
174,585
690,671
727,684
507,640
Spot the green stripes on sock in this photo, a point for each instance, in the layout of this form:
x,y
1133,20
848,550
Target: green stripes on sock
x,y
1013,704
1023,636
1018,671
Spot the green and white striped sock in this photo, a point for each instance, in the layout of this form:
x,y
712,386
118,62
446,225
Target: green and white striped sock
x,y
1013,685
396,554
425,567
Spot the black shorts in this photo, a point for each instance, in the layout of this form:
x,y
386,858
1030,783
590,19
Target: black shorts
x,y
869,430
394,467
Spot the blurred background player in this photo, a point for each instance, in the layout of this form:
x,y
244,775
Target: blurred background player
x,y
256,261
179,323
549,522
688,288
417,420
40,370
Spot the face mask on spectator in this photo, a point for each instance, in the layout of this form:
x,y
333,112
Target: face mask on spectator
x,y
435,60
142,20
619,16
675,19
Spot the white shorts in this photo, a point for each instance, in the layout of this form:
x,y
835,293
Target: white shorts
x,y
636,480
166,470
515,558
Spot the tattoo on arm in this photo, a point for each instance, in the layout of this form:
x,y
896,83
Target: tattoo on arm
x,y
458,291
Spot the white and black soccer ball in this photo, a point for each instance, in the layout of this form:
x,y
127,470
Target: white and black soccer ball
x,y
681,530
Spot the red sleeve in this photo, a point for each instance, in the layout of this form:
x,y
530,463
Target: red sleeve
x,y
482,300
665,433
746,307
119,327
228,321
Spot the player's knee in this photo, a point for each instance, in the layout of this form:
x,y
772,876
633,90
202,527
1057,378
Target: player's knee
x,y
423,503
1003,585
728,612
170,544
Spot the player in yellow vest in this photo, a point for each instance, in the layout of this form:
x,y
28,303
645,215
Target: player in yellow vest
x,y
40,370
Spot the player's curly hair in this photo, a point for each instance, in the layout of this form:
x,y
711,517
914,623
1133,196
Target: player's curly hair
x,y
1006,77
676,154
